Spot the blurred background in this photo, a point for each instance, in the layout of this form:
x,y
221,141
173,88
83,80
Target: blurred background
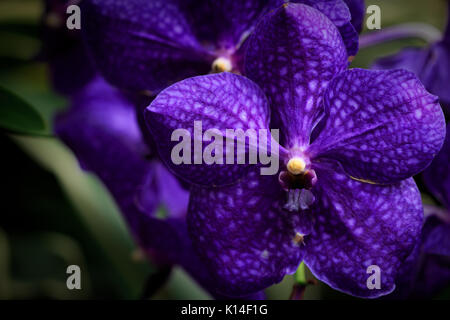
x,y
53,214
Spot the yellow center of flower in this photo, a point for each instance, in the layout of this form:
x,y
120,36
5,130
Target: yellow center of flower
x,y
221,64
296,166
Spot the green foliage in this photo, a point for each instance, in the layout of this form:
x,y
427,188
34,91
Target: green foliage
x,y
18,116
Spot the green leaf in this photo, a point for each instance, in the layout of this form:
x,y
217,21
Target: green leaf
x,y
31,82
18,116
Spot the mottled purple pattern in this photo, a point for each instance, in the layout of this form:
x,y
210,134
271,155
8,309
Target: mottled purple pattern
x,y
102,131
431,65
430,271
246,238
382,126
338,12
176,246
358,225
437,175
100,113
293,54
350,37
148,45
142,45
435,75
220,101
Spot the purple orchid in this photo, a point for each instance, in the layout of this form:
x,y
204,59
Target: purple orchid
x,y
350,141
430,64
431,271
102,130
147,45
427,269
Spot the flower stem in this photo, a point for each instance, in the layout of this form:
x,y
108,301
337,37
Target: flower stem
x,y
300,275
407,30
298,290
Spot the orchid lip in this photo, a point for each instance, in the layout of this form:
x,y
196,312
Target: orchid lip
x,y
299,173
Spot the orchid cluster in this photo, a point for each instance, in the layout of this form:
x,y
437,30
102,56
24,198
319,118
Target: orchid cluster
x,y
427,269
343,199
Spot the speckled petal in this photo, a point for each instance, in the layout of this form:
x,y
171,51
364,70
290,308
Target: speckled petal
x,y
101,130
338,12
359,225
293,54
431,65
142,45
220,101
437,175
351,39
245,238
100,118
435,76
166,239
382,126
